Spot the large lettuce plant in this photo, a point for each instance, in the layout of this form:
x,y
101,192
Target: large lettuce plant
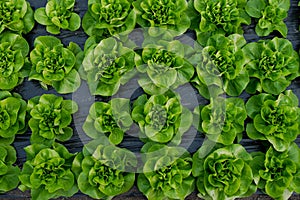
x,y
161,118
12,116
47,172
270,15
13,60
272,65
104,170
54,65
277,173
51,116
167,172
276,119
16,15
58,14
224,173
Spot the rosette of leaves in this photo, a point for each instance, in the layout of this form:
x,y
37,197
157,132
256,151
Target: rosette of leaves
x,y
51,116
221,66
105,18
54,65
13,60
47,172
219,17
8,173
16,15
161,118
272,65
103,170
167,172
222,120
159,16
108,65
277,173
167,66
270,15
12,116
111,119
276,119
224,173
58,14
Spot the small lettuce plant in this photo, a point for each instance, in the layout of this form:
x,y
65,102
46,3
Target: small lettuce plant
x,y
8,172
13,60
167,172
58,14
111,119
12,116
51,116
105,18
270,15
222,120
275,119
161,118
277,173
272,65
47,172
54,65
224,173
103,170
16,16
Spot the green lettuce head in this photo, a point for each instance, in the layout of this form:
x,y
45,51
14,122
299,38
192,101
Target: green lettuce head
x,y
16,16
276,119
105,18
47,172
111,119
272,65
54,65
167,172
12,116
224,174
108,65
278,173
8,173
161,118
13,60
58,14
104,170
51,116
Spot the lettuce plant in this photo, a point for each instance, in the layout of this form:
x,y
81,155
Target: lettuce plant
x,y
221,68
58,14
54,65
104,170
167,66
224,173
220,17
272,65
12,116
8,173
13,60
108,65
277,173
16,15
51,116
167,172
270,15
105,18
161,118
47,172
111,119
162,15
222,120
276,119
